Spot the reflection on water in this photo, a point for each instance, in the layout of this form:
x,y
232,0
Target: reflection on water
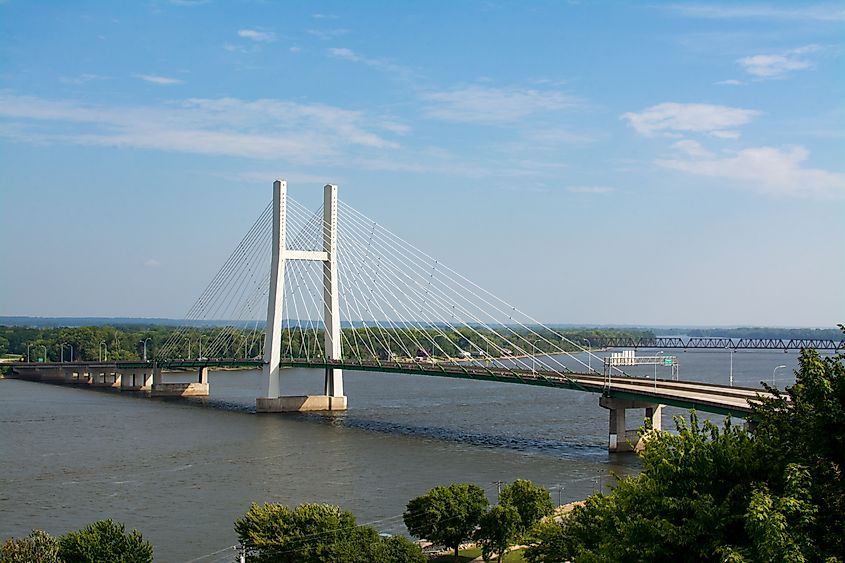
x,y
183,471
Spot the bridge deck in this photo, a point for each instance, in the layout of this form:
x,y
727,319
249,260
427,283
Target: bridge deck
x,y
719,399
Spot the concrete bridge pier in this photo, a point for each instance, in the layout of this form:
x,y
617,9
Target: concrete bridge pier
x,y
620,439
105,376
162,389
80,375
136,380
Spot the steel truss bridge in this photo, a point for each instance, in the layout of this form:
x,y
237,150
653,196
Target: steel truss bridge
x,y
706,343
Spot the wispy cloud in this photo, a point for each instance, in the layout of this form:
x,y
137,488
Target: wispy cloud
x,y
819,12
692,148
730,82
381,64
81,78
237,48
590,189
673,118
487,105
326,34
778,65
160,80
256,35
766,170
264,128
152,263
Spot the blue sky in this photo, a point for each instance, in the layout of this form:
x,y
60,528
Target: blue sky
x,y
591,162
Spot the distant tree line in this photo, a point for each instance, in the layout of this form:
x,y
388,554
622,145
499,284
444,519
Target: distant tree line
x,y
126,342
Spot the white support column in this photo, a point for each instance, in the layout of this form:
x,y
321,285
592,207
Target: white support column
x,y
273,339
331,302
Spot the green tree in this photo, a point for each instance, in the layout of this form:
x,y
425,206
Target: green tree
x,y
37,546
711,495
499,529
446,515
532,502
397,549
104,541
312,533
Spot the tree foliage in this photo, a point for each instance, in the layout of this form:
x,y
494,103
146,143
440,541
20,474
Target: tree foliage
x,y
711,495
532,502
397,549
316,533
37,546
104,541
499,529
446,515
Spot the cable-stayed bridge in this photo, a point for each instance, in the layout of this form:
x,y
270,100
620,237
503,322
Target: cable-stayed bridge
x,y
333,290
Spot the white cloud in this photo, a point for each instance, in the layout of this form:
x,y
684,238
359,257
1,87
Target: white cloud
x,y
381,64
590,189
819,12
160,80
731,82
692,148
258,36
766,170
671,118
477,104
265,128
152,263
778,65
344,53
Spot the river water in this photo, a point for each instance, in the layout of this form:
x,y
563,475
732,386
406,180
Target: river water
x,y
182,471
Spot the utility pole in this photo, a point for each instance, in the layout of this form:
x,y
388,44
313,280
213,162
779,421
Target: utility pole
x,y
498,489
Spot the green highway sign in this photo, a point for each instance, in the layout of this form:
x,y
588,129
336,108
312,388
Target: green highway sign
x,y
668,361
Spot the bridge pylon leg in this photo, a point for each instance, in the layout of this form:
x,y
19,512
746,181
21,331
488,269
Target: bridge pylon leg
x,y
331,301
620,439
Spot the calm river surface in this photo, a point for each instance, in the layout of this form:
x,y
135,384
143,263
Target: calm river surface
x,y
181,472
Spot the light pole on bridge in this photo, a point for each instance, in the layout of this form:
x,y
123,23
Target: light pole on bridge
x,y
144,342
729,346
62,348
655,367
103,357
774,371
45,353
589,355
28,346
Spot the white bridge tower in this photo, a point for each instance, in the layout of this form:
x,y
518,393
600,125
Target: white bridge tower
x,y
333,397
